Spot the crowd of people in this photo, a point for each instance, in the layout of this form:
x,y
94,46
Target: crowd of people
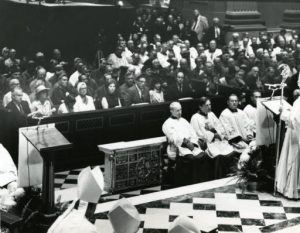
x,y
160,60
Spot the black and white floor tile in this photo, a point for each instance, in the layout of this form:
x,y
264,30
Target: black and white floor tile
x,y
225,207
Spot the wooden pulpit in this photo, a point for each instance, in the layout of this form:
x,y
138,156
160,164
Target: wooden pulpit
x,y
48,142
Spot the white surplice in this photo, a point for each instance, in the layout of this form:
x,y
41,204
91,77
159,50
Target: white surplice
x,y
288,172
201,124
176,130
251,113
8,170
235,123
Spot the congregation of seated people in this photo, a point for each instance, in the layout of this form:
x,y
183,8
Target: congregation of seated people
x,y
158,62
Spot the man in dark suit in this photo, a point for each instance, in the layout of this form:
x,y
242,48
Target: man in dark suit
x,y
17,105
292,84
138,93
215,32
179,89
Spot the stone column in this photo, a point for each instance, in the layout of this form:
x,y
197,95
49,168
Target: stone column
x,y
291,16
243,16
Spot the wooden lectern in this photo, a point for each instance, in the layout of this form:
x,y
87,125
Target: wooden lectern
x,y
48,141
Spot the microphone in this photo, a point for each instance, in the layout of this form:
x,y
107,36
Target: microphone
x,y
275,86
272,85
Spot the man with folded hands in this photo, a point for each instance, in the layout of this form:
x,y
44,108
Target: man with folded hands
x,y
236,124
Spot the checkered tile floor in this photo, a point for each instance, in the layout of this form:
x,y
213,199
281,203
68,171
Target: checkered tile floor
x,y
225,208
68,180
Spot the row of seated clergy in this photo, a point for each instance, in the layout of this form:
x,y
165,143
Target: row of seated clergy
x,y
193,165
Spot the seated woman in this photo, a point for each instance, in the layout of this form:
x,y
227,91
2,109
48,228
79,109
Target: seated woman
x,y
209,129
156,93
41,106
83,101
111,98
67,106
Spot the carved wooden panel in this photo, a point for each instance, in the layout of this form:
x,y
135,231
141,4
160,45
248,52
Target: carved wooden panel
x,y
122,120
89,124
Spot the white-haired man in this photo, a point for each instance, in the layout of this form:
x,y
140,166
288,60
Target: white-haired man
x,y
7,98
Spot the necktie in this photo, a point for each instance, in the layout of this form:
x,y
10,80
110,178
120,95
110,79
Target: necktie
x,y
180,88
217,32
195,23
142,96
21,108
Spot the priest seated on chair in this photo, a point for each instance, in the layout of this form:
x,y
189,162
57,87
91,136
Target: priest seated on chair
x,y
235,121
193,165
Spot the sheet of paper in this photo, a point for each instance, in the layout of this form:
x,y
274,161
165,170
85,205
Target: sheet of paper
x,y
274,105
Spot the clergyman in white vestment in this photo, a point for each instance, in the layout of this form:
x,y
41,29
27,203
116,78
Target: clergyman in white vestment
x,y
288,172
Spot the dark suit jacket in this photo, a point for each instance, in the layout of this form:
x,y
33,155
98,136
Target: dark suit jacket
x,y
210,35
11,107
133,96
173,92
291,86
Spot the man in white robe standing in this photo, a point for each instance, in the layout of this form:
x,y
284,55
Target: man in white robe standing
x,y
235,121
192,164
288,169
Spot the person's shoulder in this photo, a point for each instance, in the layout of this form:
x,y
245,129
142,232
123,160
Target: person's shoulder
x,y
212,114
7,95
225,112
23,102
195,116
132,89
240,111
89,97
183,120
247,107
9,105
166,122
171,86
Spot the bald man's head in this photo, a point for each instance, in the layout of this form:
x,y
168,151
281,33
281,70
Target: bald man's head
x,y
175,109
296,94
